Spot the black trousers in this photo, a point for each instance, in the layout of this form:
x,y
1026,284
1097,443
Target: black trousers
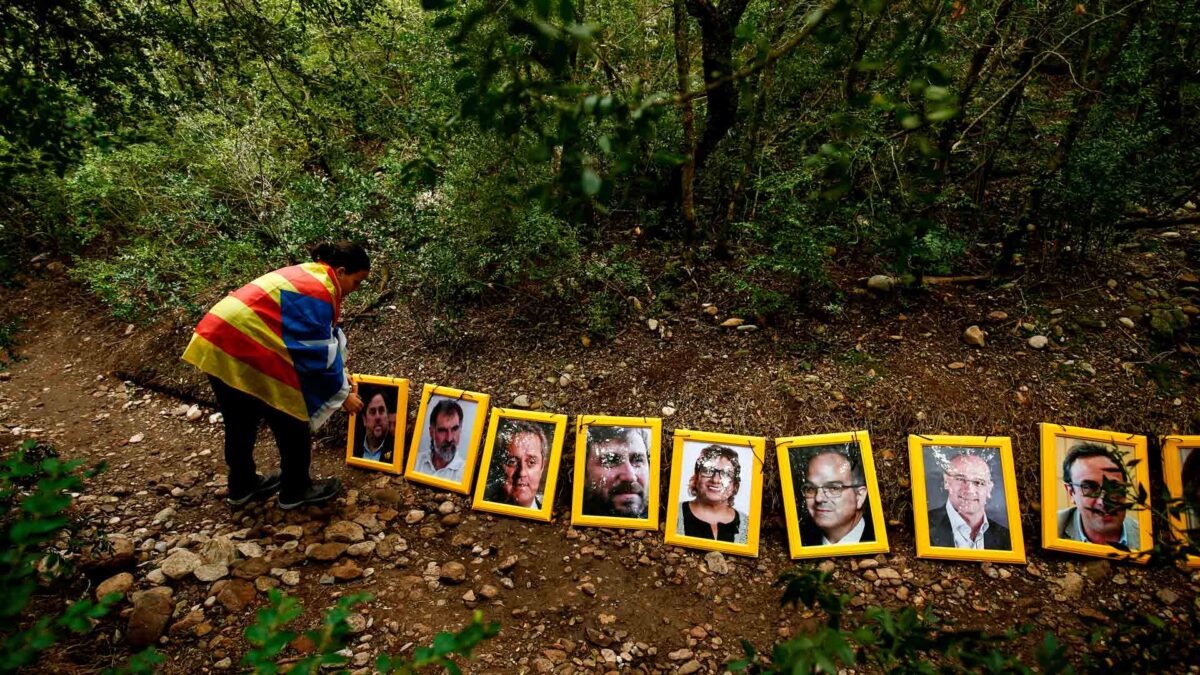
x,y
243,414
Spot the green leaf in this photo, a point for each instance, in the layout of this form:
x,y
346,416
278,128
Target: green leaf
x,y
590,182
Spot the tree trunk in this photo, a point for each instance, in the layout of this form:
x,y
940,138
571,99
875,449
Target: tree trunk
x,y
717,26
687,172
971,81
1062,154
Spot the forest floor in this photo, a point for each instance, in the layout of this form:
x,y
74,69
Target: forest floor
x,y
594,600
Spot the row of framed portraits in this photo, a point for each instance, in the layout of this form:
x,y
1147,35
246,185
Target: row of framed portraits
x,y
964,492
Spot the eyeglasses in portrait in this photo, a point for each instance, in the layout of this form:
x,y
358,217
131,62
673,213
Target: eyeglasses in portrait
x,y
715,492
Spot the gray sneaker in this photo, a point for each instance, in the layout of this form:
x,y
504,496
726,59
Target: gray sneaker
x,y
319,492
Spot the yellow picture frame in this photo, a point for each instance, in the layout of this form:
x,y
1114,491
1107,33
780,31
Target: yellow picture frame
x,y
796,546
549,477
478,417
1055,509
1173,465
399,425
583,425
744,447
977,446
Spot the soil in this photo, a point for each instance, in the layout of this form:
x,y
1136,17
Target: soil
x,y
595,600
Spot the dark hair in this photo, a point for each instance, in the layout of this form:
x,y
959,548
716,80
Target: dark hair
x,y
445,407
601,434
714,452
1089,450
345,254
369,391
509,430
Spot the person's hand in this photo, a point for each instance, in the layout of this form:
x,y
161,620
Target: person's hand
x,y
353,403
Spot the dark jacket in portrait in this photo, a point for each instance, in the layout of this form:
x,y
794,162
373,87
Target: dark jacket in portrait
x,y
941,534
811,535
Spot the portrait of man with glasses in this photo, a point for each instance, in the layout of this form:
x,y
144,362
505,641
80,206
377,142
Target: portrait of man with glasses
x,y
833,488
961,518
1097,486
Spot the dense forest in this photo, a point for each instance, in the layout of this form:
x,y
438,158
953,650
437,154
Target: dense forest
x,y
573,153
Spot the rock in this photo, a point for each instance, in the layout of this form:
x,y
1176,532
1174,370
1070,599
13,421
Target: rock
x,y
235,594
1038,341
446,507
210,572
216,418
881,283
652,324
344,531
326,552
288,533
488,592
290,578
1126,322
265,584
973,336
1071,584
956,365
251,568
361,549
346,570
521,401
249,549
997,316
414,516
688,668
747,328
732,322
120,583
717,563
887,573
193,413
667,410
508,563
151,612
224,664
163,516
1167,596
469,598
180,564
588,589
357,623
453,573
137,438
543,665
194,618
219,551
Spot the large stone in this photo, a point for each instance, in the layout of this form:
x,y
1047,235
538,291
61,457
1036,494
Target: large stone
x,y
120,583
210,572
326,552
250,549
717,563
453,573
881,283
234,594
345,571
289,533
345,532
361,549
151,612
973,336
1039,341
180,564
220,551
251,568
1071,584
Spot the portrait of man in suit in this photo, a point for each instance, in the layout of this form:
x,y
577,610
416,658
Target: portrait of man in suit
x,y
968,488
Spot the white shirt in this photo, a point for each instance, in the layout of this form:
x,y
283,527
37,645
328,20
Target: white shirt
x,y
962,530
852,537
451,472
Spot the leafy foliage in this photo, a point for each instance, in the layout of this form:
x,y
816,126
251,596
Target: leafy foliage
x,y
35,493
268,638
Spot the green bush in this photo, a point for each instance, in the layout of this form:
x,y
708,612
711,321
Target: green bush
x,y
35,493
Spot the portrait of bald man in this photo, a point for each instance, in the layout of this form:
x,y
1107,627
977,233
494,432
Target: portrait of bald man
x,y
966,497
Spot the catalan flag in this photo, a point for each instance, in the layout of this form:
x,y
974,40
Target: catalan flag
x,y
277,339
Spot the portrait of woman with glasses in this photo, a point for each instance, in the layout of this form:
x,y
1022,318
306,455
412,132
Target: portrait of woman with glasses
x,y
714,486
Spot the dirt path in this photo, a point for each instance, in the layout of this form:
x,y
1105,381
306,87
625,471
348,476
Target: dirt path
x,y
588,600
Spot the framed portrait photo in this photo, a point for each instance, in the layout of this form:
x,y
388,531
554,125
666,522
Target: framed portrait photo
x,y
519,469
716,492
375,439
965,504
1090,483
831,495
1181,468
445,442
617,460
